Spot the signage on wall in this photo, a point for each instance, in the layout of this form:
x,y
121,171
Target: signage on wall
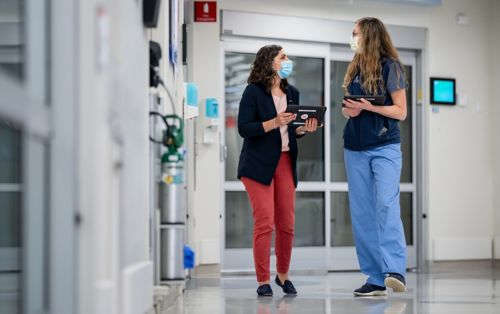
x,y
205,11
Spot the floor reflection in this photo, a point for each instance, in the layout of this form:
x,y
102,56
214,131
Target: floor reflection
x,y
465,287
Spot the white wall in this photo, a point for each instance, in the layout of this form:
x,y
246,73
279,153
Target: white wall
x,y
459,145
495,118
204,192
460,160
115,273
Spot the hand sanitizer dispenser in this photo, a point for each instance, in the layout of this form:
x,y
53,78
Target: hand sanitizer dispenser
x,y
210,120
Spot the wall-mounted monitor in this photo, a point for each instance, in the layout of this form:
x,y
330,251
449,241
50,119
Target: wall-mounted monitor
x,y
443,91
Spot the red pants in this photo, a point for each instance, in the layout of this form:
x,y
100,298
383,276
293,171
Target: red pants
x,y
273,205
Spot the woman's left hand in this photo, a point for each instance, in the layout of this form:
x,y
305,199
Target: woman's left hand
x,y
362,104
310,126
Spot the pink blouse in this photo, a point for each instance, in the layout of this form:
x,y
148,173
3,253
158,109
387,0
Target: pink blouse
x,y
280,104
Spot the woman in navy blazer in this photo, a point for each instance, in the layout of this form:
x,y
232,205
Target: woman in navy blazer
x,y
268,161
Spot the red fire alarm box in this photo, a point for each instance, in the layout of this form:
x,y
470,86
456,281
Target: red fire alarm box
x,y
205,11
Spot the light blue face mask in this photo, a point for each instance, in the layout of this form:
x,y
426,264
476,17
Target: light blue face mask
x,y
286,69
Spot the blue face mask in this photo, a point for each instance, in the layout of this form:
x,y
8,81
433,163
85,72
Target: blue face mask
x,y
286,69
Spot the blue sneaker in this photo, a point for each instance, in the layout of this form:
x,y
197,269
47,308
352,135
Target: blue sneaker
x,y
396,282
369,290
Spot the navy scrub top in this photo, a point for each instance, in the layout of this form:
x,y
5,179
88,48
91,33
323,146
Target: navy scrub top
x,y
370,130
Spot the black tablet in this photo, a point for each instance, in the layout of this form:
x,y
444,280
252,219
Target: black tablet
x,y
375,100
306,112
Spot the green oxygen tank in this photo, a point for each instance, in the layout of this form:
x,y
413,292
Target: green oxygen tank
x,y
173,139
172,201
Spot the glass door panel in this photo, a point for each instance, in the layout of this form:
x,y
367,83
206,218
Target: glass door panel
x,y
308,77
10,219
310,214
309,220
338,69
406,203
406,128
11,48
23,80
237,70
11,66
337,167
341,227
239,221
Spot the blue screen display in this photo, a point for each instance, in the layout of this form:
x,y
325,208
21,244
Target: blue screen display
x,y
444,91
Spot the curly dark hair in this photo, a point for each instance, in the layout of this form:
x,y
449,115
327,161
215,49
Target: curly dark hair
x,y
262,68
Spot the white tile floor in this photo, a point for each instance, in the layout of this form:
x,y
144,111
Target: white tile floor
x,y
454,288
459,287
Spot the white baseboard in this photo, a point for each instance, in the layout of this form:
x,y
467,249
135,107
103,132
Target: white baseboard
x,y
445,249
496,247
138,288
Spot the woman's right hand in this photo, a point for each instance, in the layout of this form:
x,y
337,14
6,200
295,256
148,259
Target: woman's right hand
x,y
351,108
284,118
351,113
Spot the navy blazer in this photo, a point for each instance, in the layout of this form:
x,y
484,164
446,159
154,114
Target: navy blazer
x,y
261,151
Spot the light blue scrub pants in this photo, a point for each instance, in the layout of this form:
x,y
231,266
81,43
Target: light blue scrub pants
x,y
373,182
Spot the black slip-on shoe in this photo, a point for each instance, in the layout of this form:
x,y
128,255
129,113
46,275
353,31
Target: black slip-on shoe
x,y
287,286
265,291
396,282
369,290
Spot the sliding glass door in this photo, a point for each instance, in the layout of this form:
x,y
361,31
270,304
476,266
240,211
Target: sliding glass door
x,y
323,235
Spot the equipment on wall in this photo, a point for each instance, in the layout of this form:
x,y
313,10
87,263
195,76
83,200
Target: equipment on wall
x,y
154,71
208,121
174,139
172,200
154,63
150,12
169,180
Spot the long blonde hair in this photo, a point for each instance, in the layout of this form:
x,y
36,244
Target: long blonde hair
x,y
374,44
